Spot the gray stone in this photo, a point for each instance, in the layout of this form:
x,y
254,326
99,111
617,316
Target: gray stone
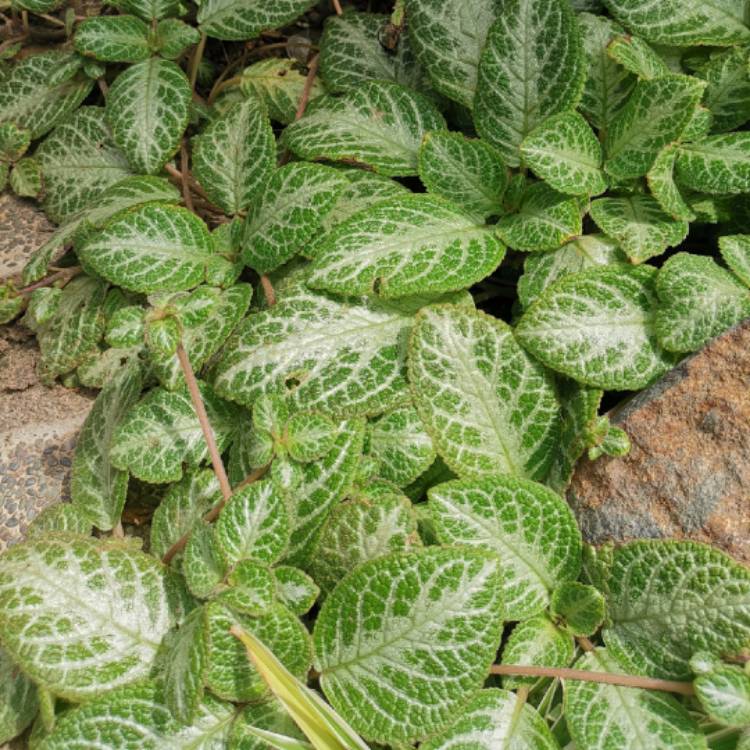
x,y
687,475
23,228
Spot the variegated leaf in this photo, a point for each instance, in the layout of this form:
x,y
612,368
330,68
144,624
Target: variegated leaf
x,y
735,250
113,39
18,700
663,187
246,19
719,164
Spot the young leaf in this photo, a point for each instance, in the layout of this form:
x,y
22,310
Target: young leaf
x,y
448,38
529,527
536,642
379,124
246,19
364,528
637,57
724,694
113,39
608,84
150,10
541,270
230,675
309,436
416,244
728,92
597,327
97,488
580,607
351,53
79,160
668,600
401,446
563,151
488,406
545,220
608,717
202,566
162,432
532,66
426,624
41,90
662,185
278,82
181,508
495,718
147,109
59,517
26,178
18,700
151,248
638,224
466,171
252,588
683,22
288,213
295,589
698,300
735,250
99,612
655,114
14,141
173,37
235,155
719,164
254,524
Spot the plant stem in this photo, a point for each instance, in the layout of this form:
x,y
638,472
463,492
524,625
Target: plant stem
x,y
186,196
195,61
337,7
268,290
65,273
303,100
253,476
194,186
117,531
626,680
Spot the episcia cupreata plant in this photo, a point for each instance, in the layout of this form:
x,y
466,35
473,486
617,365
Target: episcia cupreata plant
x,y
352,284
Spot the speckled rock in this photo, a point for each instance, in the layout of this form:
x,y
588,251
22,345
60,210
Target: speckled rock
x,y
688,472
23,228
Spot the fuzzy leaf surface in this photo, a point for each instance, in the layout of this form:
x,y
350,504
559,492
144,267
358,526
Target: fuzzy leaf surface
x,y
246,19
719,164
113,39
661,183
735,251
728,92
724,694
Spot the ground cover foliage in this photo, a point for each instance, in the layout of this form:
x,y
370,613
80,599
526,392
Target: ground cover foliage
x,y
352,287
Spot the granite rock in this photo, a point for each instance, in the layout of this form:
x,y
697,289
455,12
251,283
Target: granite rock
x,y
23,228
687,475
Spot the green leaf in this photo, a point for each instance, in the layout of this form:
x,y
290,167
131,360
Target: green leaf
x,y
79,160
361,529
735,251
488,406
252,588
608,84
14,141
162,432
82,615
185,664
59,517
638,223
125,327
66,339
564,152
668,600
147,108
149,10
698,126
235,155
466,171
138,717
415,244
113,39
719,164
529,527
424,627
545,220
333,356
608,717
41,90
400,444
246,19
698,300
151,248
230,675
532,66
309,436
162,336
288,213
202,566
637,57
351,53
97,488
26,178
379,124
655,114
662,185
724,694
173,37
683,22
448,37
541,270
182,507
580,607
295,589
536,642
278,82
597,327
728,92
18,701
495,716
253,524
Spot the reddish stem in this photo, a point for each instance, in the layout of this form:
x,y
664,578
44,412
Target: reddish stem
x,y
268,290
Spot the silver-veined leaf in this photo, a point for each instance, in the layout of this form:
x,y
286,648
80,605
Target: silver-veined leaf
x,y
246,19
724,694
637,56
113,39
663,187
719,164
728,92
735,250
295,589
18,700
173,37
